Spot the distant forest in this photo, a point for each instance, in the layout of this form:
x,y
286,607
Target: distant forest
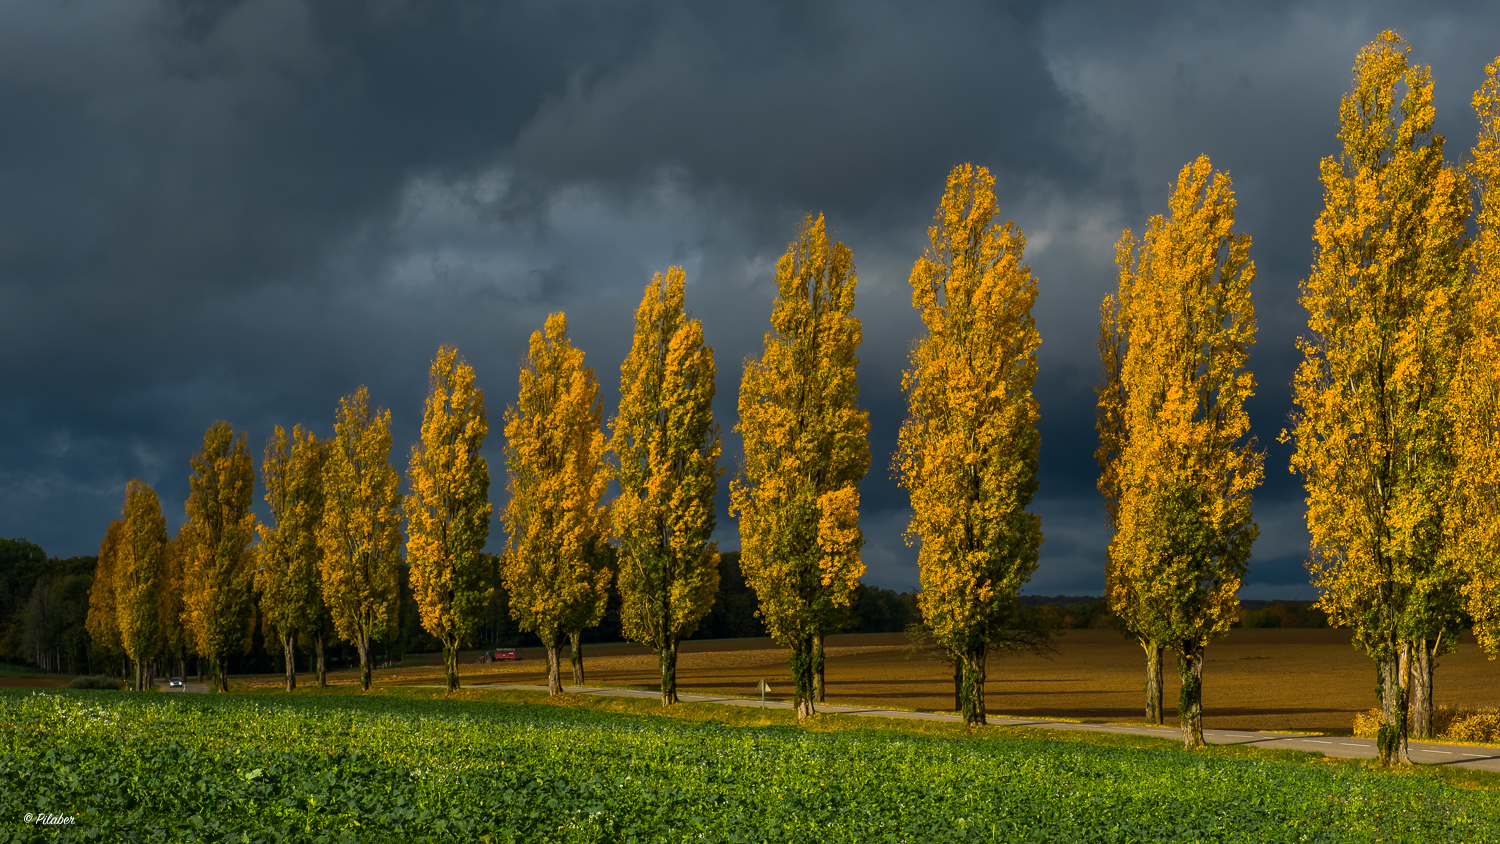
x,y
44,601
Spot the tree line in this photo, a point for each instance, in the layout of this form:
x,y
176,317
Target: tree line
x,y
1396,431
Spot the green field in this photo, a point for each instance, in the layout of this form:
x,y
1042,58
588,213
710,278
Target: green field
x,y
375,768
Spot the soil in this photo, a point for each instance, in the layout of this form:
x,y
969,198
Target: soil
x,y
1291,680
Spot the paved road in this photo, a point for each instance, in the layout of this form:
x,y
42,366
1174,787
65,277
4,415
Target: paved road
x,y
1425,753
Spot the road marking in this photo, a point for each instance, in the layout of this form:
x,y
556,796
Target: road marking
x,y
1477,755
1425,750
1315,741
1348,744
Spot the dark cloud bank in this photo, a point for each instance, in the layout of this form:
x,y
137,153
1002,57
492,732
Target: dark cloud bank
x,y
245,210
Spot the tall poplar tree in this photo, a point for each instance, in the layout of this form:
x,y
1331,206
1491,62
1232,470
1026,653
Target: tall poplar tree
x,y
360,531
967,452
448,509
286,576
218,565
666,445
1474,514
1187,468
806,450
1372,435
1122,599
554,450
137,565
103,620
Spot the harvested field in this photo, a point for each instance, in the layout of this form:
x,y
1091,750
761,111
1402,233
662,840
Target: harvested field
x,y
32,682
1298,680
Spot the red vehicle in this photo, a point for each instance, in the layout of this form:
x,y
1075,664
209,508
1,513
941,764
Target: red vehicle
x,y
500,653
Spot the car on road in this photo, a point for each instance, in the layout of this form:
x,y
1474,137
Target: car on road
x,y
500,653
175,682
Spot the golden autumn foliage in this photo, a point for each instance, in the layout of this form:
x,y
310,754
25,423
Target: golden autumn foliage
x,y
967,453
1185,465
806,450
137,568
218,568
554,450
1372,434
360,532
448,509
1474,512
667,448
103,621
286,573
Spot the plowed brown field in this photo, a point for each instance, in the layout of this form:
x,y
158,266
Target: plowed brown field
x,y
1300,680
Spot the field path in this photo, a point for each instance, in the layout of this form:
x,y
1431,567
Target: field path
x,y
1425,753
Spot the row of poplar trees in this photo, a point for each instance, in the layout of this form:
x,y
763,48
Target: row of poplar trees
x,y
1396,427
328,560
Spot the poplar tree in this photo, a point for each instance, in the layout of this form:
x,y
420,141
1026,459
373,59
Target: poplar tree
x,y
359,534
1474,515
554,449
286,576
967,452
448,509
1121,597
218,565
1187,467
1372,434
806,450
137,568
103,621
666,447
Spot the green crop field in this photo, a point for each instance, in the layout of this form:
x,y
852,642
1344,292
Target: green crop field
x,y
377,768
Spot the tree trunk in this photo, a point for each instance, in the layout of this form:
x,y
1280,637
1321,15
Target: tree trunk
x,y
1190,699
1153,682
1391,739
575,655
1421,668
450,664
818,668
802,677
362,641
221,672
668,658
135,682
322,663
554,667
289,643
973,687
958,682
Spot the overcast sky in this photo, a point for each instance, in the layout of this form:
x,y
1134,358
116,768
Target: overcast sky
x,y
244,210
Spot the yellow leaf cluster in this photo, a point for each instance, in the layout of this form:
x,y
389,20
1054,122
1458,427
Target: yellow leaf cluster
x,y
554,460
1183,468
359,534
217,563
1385,314
448,507
967,454
806,447
667,449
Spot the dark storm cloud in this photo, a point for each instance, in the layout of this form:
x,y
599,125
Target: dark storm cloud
x,y
243,210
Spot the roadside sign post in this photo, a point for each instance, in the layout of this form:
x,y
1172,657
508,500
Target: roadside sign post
x,y
763,687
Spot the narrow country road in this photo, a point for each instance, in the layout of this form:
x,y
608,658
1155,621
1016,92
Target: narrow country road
x,y
1424,753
